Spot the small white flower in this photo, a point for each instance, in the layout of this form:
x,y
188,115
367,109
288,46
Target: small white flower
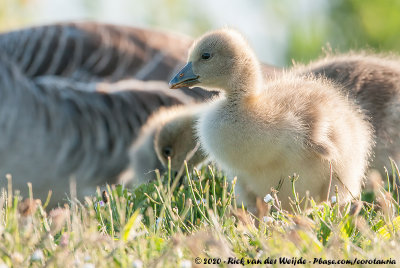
x,y
204,201
186,264
179,253
3,265
159,221
333,199
88,265
268,219
77,262
37,255
87,258
268,198
137,264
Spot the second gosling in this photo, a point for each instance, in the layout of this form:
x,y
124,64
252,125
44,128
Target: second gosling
x,y
265,131
169,133
174,138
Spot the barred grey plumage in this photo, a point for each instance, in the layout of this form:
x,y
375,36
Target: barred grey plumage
x,y
93,52
89,51
53,131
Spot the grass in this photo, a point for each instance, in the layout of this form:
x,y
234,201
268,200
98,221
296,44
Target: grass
x,y
167,224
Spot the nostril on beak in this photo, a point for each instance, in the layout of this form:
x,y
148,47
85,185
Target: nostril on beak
x,y
181,75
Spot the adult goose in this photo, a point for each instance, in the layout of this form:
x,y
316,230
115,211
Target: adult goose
x,y
97,52
373,82
264,131
54,131
88,51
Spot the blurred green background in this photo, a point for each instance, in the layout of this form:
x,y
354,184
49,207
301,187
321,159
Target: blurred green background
x,y
279,31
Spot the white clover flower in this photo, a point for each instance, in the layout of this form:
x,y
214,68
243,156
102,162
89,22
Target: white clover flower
x,y
137,264
186,264
37,255
333,199
268,198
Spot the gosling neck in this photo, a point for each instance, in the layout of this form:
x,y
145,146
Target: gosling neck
x,y
247,81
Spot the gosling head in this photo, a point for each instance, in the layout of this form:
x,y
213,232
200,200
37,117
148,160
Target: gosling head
x,y
220,59
176,140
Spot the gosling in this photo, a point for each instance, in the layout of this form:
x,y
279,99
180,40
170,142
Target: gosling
x,y
169,133
265,131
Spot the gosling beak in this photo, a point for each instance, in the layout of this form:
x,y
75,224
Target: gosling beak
x,y
184,78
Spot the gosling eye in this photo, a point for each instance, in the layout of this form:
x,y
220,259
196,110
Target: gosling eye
x,y
167,151
206,56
